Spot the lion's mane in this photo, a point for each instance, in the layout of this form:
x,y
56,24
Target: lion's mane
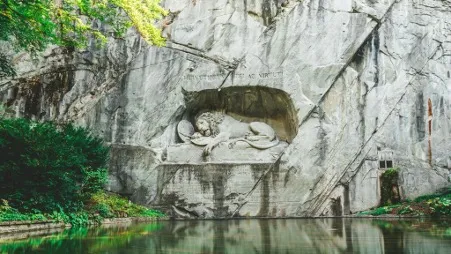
x,y
213,119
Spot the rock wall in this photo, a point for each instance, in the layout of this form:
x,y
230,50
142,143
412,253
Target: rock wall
x,y
365,84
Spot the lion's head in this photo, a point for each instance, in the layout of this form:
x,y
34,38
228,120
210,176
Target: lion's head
x,y
212,119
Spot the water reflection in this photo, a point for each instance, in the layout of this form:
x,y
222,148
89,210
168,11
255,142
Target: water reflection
x,y
248,236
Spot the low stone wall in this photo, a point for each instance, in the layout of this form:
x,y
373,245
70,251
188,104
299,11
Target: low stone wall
x,y
28,234
25,226
14,230
129,220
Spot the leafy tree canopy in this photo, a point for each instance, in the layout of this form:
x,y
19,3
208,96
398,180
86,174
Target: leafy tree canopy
x,y
48,167
31,25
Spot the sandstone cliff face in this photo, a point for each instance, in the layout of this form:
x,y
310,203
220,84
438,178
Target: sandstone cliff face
x,y
361,83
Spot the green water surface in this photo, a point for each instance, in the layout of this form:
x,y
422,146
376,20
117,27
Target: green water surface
x,y
342,235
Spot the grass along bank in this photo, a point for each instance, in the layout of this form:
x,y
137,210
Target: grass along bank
x,y
101,206
438,204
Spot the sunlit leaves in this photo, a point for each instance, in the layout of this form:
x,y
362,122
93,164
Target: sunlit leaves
x,y
31,25
143,13
27,23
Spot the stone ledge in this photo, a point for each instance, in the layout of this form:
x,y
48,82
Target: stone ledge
x,y
131,220
240,154
13,236
25,222
23,226
16,230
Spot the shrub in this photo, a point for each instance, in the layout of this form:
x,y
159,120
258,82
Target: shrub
x,y
48,167
437,204
379,210
7,213
441,193
110,205
103,210
440,205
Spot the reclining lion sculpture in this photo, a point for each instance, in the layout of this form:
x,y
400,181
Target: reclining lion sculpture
x,y
214,128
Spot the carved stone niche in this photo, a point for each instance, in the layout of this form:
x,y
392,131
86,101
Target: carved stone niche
x,y
248,104
241,124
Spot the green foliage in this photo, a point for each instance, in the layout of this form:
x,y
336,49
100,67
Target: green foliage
x,y
104,210
48,167
94,180
79,219
443,193
7,213
438,204
58,173
391,175
379,211
100,206
28,23
109,205
76,219
405,210
143,14
60,216
31,25
389,187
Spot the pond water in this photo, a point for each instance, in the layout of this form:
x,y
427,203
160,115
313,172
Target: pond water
x,y
342,235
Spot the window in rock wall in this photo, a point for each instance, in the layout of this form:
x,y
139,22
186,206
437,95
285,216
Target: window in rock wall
x,y
385,164
385,158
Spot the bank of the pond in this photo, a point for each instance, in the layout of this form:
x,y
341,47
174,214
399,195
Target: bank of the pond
x,y
24,226
33,228
101,208
437,204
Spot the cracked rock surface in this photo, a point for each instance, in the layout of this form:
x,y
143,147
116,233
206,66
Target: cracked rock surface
x,y
367,82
